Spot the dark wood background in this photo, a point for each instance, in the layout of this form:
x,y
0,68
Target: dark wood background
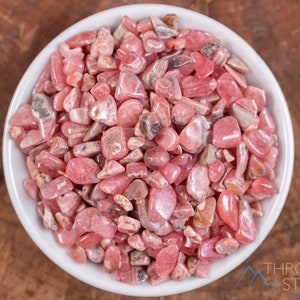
x,y
272,27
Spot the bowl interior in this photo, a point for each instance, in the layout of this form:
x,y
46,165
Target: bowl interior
x,y
261,76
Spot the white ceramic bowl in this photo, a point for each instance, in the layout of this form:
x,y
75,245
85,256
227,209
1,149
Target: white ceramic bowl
x,y
15,170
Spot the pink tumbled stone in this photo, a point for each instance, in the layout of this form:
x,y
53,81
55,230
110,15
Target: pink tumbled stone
x,y
114,143
56,187
246,232
226,133
115,184
258,142
104,111
198,182
129,112
162,203
228,89
129,86
156,157
82,170
193,137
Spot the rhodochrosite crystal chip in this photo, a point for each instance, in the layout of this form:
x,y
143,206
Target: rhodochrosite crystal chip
x,y
147,150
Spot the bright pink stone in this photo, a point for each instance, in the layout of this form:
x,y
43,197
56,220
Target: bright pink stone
x,y
204,66
227,207
196,39
166,260
104,111
56,187
161,204
258,142
198,182
247,229
193,136
228,89
82,170
216,170
226,133
65,238
129,86
88,240
114,143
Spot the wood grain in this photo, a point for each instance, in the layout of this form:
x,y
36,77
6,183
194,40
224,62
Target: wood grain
x,y
272,27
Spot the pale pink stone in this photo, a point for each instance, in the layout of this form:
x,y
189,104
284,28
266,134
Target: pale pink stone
x,y
246,232
128,225
193,137
104,111
129,86
161,107
161,204
198,189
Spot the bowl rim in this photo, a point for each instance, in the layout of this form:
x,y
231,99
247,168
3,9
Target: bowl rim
x,y
163,289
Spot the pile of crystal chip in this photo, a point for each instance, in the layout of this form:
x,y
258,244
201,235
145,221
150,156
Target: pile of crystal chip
x,y
148,152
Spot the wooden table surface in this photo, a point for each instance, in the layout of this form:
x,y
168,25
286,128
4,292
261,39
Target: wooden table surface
x,y
272,27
